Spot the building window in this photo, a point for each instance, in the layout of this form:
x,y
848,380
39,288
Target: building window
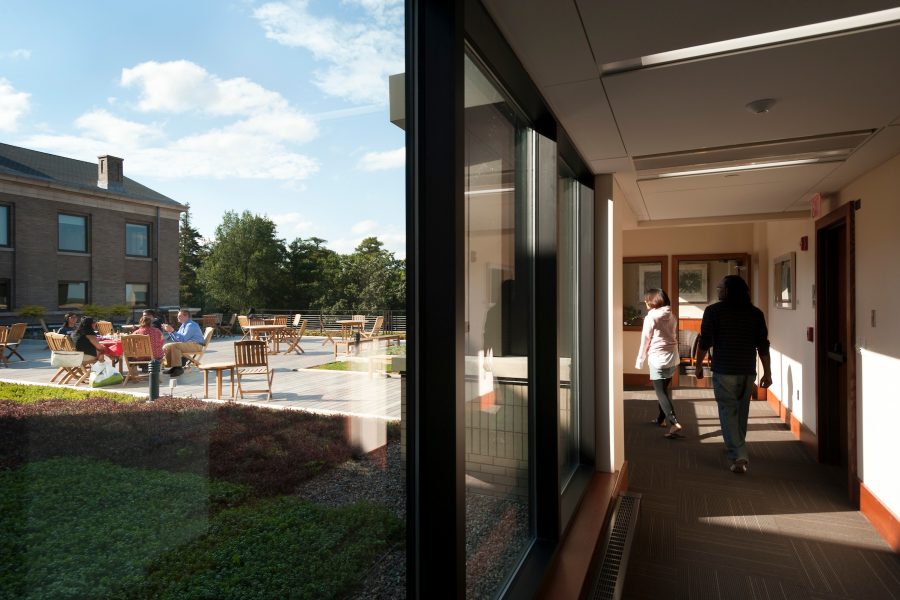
x,y
5,236
137,240
73,233
5,294
568,339
498,213
136,294
72,294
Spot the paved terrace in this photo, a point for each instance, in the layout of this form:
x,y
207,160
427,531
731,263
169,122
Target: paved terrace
x,y
295,385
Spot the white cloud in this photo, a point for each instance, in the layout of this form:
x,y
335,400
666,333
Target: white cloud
x,y
17,54
13,105
117,132
364,227
291,224
360,56
393,238
380,161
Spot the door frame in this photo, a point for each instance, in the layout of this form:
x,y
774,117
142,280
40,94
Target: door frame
x,y
847,214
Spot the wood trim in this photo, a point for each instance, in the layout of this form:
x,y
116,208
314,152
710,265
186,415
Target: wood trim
x,y
641,379
884,521
571,567
803,433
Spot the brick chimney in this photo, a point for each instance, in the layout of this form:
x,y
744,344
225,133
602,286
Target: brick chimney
x,y
109,173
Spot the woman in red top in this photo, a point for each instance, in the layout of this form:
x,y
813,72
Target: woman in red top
x,y
145,327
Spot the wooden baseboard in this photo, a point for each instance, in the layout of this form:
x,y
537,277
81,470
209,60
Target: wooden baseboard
x,y
800,430
884,521
569,572
635,379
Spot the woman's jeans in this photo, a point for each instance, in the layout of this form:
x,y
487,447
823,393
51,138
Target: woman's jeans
x,y
664,397
733,398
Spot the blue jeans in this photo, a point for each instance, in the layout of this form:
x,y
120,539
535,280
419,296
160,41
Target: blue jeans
x,y
733,398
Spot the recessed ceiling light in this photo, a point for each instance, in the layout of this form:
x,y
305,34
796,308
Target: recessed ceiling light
x,y
761,106
745,167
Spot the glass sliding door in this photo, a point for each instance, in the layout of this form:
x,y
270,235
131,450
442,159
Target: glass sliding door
x,y
498,243
568,323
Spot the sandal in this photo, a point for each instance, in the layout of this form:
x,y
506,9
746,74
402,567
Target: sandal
x,y
674,431
658,423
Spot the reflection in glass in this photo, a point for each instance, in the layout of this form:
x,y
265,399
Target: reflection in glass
x,y
73,233
497,147
637,278
567,286
137,240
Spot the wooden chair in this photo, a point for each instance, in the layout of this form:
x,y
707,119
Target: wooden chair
x,y
325,331
193,358
44,327
227,328
16,333
57,341
376,329
105,328
136,351
251,358
246,322
359,318
293,335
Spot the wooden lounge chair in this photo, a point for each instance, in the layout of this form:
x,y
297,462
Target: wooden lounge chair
x,y
251,358
193,358
293,334
16,333
136,351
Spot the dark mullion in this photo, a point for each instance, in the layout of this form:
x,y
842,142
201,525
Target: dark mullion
x,y
435,299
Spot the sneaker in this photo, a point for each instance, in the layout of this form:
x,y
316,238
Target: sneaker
x,y
740,466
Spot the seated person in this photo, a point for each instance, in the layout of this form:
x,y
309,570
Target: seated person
x,y
155,320
146,327
70,324
188,338
86,339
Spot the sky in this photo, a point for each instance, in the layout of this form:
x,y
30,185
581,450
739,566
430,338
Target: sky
x,y
279,108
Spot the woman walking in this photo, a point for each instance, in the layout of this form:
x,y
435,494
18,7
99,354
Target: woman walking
x,y
659,347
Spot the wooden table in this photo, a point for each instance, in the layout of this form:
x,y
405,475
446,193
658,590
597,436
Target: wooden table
x,y
348,325
274,332
219,368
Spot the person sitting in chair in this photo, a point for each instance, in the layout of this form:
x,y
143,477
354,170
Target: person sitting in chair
x,y
188,338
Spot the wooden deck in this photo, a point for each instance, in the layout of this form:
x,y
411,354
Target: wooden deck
x,y
295,386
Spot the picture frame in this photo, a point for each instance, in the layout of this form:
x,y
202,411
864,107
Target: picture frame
x,y
649,277
693,283
784,281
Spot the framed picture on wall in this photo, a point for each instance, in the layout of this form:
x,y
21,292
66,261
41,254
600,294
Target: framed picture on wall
x,y
649,277
785,281
692,282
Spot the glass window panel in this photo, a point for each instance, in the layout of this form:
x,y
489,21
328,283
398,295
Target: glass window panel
x,y
497,216
567,288
72,294
136,294
4,226
73,233
137,240
4,294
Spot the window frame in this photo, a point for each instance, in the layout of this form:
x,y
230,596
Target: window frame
x,y
149,230
7,281
69,306
146,304
9,225
664,277
87,232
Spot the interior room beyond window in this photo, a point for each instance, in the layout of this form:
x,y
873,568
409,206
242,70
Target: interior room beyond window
x,y
72,294
136,294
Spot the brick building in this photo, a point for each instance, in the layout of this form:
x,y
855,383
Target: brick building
x,y
74,232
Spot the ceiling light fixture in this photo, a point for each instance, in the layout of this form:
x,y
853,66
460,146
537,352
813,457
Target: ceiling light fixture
x,y
491,191
745,167
761,106
872,19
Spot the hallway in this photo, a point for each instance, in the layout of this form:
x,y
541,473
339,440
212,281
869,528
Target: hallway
x,y
783,531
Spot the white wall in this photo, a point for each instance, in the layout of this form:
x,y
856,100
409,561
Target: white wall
x,y
793,357
878,288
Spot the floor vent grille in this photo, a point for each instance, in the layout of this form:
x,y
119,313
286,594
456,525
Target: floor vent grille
x,y
616,547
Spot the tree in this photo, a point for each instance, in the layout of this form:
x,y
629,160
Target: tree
x,y
312,274
245,265
372,278
190,257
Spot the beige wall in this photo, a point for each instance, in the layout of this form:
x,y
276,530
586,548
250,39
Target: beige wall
x,y
878,353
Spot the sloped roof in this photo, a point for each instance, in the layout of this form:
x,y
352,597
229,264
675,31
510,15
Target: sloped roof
x,y
71,173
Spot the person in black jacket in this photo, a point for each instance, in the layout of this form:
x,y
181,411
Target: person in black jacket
x,y
737,330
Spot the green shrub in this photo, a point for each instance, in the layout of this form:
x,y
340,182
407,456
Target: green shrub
x,y
23,393
35,311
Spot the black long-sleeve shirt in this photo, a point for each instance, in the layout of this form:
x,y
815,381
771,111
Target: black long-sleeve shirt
x,y
736,332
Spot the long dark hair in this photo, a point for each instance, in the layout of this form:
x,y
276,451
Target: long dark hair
x,y
86,326
736,289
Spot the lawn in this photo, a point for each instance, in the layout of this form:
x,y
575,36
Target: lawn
x,y
117,498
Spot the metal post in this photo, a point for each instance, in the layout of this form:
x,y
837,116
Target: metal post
x,y
153,378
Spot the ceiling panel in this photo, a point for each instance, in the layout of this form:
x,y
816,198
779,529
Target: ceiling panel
x,y
751,192
843,83
588,119
525,25
624,30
